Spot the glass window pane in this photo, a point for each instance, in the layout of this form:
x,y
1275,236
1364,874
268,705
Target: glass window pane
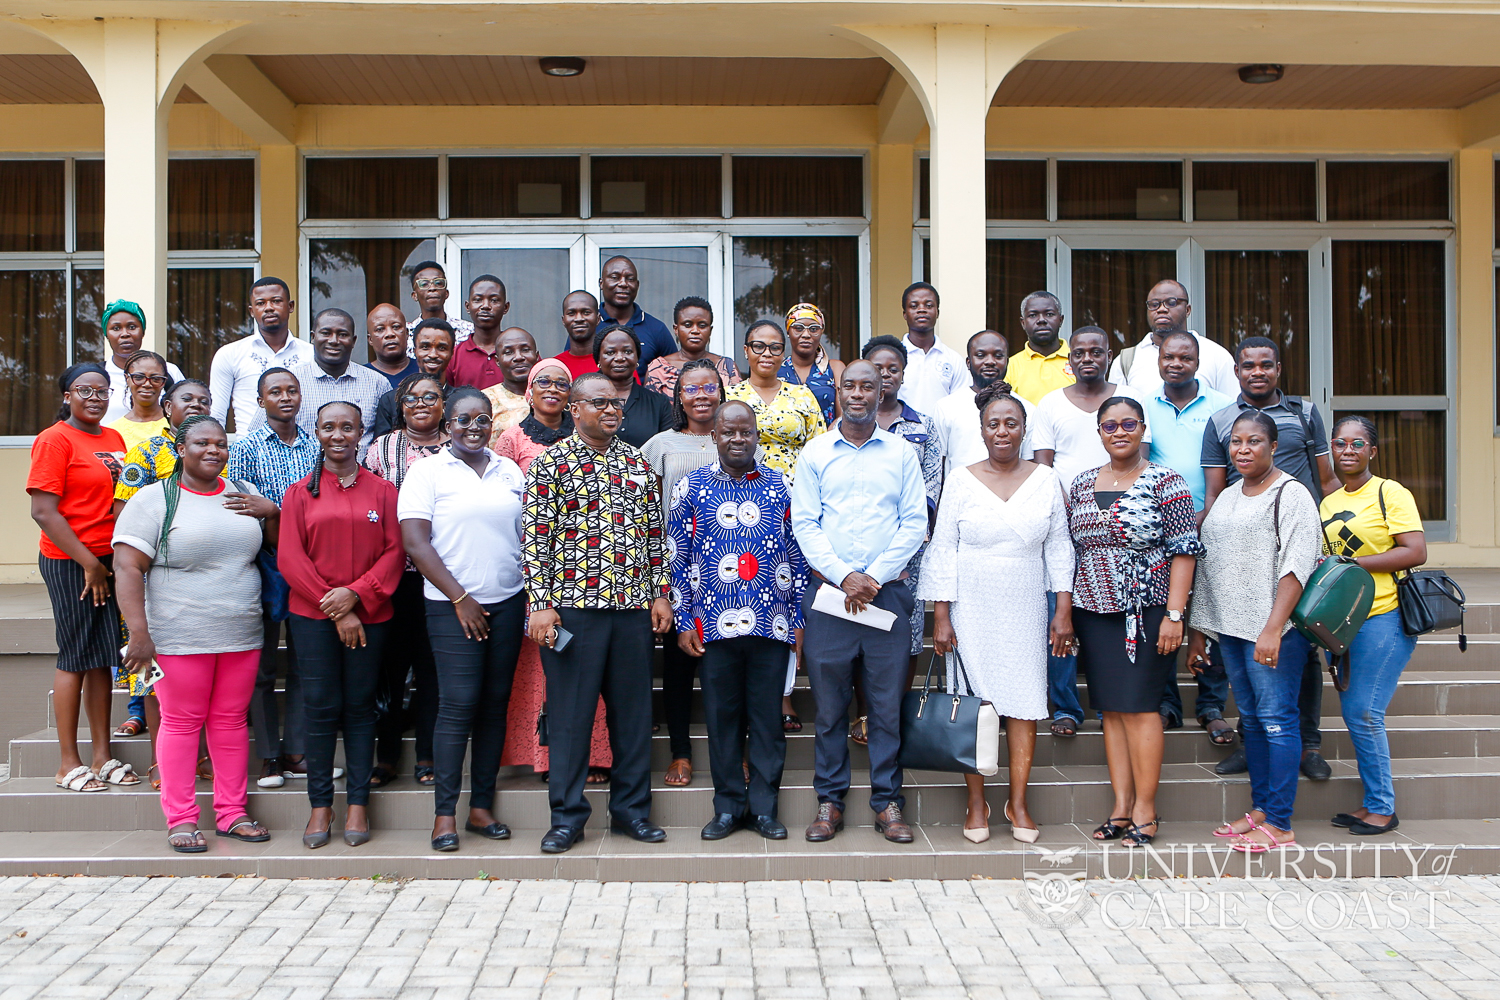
x,y
88,205
1013,189
33,348
1094,189
657,186
1255,192
31,205
207,307
1389,318
799,186
211,204
536,281
667,275
1013,270
88,303
372,188
1376,190
1110,287
358,275
772,274
1261,293
1414,452
512,187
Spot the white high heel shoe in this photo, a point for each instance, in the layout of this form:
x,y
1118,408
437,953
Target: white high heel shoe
x,y
1022,834
981,834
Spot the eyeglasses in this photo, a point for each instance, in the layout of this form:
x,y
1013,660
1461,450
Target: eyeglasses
x,y
805,328
771,349
411,399
548,382
1154,304
1128,425
605,402
711,390
432,282
88,392
465,421
1355,443
141,378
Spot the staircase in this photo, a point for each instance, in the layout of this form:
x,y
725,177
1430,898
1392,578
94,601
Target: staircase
x,y
1445,740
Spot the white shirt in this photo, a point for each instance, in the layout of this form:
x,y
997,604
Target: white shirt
x,y
1215,368
476,521
119,388
238,366
1072,434
931,375
955,424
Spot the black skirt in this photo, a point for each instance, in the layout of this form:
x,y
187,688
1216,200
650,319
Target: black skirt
x,y
89,635
1115,683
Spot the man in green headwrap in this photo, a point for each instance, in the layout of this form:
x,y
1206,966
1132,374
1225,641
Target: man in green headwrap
x,y
125,329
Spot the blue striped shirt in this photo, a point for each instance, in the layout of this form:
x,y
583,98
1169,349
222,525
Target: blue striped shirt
x,y
268,463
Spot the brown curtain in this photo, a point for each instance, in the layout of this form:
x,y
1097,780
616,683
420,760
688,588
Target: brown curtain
x,y
1389,324
799,186
486,187
372,187
772,274
1387,191
33,348
1260,293
1110,287
211,204
1414,452
88,304
676,186
1013,189
1098,189
207,307
31,205
1013,269
1264,192
88,206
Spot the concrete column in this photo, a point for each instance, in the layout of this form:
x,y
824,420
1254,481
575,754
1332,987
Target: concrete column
x,y
1474,411
890,236
278,215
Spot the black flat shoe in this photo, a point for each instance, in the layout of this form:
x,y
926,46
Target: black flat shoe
x,y
767,826
561,838
1315,767
445,842
313,841
356,838
425,775
721,826
1362,829
1345,820
1235,763
643,830
495,831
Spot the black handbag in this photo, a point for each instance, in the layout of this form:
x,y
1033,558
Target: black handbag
x,y
949,732
1428,599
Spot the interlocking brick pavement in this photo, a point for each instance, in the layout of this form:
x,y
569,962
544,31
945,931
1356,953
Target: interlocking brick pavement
x,y
1229,939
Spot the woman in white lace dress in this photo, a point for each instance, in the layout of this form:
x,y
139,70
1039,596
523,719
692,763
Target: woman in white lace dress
x,y
1000,544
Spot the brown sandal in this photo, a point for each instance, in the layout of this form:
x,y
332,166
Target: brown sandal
x,y
860,731
154,776
679,772
205,769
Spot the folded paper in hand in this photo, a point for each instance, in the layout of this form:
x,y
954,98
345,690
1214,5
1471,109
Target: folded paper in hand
x,y
830,601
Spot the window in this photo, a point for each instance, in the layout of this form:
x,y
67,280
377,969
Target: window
x,y
31,205
657,186
773,274
1379,190
512,187
359,274
1261,293
540,277
790,186
210,204
1099,189
372,187
34,344
1255,191
1013,189
1109,290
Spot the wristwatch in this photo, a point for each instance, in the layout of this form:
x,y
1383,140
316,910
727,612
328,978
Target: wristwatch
x,y
1174,616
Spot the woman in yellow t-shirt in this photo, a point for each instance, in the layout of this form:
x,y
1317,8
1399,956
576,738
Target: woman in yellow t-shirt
x,y
1375,522
146,377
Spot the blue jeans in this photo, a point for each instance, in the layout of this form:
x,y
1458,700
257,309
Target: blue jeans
x,y
1377,656
1267,699
136,708
1062,677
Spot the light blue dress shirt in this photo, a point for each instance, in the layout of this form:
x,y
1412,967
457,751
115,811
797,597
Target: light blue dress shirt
x,y
859,510
1177,436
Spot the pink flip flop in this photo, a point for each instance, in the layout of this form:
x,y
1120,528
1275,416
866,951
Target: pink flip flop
x,y
1231,835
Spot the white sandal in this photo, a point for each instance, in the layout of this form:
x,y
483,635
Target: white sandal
x,y
115,772
78,779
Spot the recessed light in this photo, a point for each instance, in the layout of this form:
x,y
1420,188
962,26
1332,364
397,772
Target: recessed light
x,y
1262,73
562,65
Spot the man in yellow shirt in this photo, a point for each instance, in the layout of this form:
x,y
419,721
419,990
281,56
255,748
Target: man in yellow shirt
x,y
1042,365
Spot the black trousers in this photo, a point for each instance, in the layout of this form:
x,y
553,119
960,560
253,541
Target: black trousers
x,y
833,650
677,695
338,692
610,655
276,734
474,681
742,682
407,649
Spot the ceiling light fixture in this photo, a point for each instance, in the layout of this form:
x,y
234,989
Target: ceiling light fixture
x,y
1262,73
562,65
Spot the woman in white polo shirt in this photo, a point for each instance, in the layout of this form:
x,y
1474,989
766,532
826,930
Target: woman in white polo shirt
x,y
460,514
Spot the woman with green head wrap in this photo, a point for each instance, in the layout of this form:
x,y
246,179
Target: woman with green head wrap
x,y
124,324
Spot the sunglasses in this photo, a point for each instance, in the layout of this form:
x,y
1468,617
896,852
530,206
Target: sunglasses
x,y
548,382
1128,425
88,392
605,402
411,399
482,421
759,348
141,378
1355,443
711,390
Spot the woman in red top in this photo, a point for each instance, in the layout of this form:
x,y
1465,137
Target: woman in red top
x,y
74,466
341,553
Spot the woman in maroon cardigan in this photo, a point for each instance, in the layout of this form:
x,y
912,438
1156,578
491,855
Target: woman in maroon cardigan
x,y
341,553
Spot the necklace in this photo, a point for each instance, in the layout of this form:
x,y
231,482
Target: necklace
x,y
348,481
1262,480
1137,467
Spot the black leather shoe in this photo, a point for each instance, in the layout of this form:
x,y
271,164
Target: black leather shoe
x,y
767,826
561,838
1233,764
721,826
1315,767
1345,820
1362,829
445,842
495,831
643,830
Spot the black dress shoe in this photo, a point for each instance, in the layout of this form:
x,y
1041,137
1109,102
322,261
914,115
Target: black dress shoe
x,y
721,826
561,838
495,831
1345,820
767,826
1315,767
1362,829
1233,764
445,842
643,830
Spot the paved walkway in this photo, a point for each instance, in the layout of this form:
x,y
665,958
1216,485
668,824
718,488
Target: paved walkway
x,y
227,938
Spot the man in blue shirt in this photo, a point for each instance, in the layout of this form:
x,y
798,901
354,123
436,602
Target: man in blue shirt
x,y
619,283
859,512
737,584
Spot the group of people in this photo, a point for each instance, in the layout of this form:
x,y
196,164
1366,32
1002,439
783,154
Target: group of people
x,y
471,542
